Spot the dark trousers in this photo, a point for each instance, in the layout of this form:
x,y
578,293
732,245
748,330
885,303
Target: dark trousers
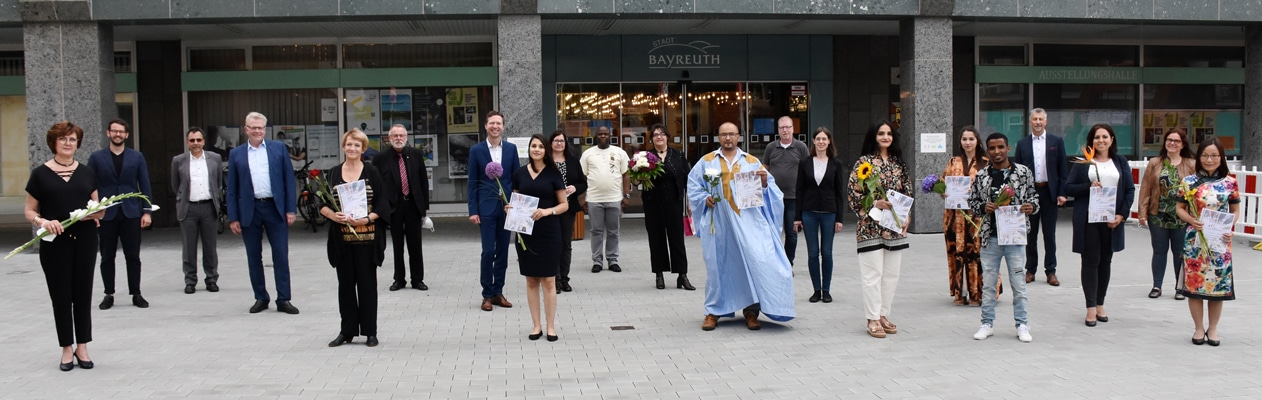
x,y
1097,262
790,235
126,230
567,245
267,220
405,228
664,221
1046,217
200,225
68,261
357,292
1164,240
494,254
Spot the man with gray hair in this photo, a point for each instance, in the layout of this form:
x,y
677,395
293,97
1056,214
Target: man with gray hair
x,y
1044,154
402,168
781,158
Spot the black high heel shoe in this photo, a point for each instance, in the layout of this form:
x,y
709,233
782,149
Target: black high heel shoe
x,y
89,364
66,366
661,282
682,283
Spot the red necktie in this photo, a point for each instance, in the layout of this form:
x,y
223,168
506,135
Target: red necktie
x,y
403,176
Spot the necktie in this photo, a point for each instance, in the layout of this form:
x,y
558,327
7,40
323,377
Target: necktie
x,y
403,176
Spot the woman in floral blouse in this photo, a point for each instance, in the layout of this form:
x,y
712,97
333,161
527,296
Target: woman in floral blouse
x,y
881,159
1207,274
1158,195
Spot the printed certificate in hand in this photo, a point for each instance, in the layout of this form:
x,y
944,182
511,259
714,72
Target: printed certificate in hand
x,y
1103,205
1217,224
354,198
520,214
747,189
1010,225
900,204
957,188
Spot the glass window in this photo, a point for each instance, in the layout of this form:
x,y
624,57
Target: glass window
x,y
770,101
1200,110
315,56
216,60
294,113
1194,56
1074,108
1002,108
122,61
1078,55
12,63
1001,55
417,55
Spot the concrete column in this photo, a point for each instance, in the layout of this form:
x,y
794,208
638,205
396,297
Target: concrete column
x,y
925,95
1251,131
521,74
69,73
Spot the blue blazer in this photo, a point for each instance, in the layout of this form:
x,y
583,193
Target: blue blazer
x,y
1057,169
134,178
483,194
1079,186
241,186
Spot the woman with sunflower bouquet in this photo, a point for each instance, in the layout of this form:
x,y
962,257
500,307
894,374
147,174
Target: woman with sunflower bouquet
x,y
1207,274
880,167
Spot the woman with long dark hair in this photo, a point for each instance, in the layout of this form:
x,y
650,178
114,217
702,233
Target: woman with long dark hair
x,y
821,191
880,256
964,271
1158,199
1207,275
664,211
538,252
563,157
1096,241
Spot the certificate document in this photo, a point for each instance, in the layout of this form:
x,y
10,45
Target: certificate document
x,y
1103,205
1217,224
520,216
354,198
1010,225
747,189
900,204
957,188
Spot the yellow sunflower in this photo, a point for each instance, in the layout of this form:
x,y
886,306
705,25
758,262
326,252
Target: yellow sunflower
x,y
864,171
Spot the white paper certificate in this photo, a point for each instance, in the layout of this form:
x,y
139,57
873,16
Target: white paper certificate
x,y
354,198
957,188
1103,205
747,189
901,204
1010,225
1217,224
520,216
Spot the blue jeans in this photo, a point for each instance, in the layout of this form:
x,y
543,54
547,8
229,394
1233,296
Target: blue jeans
x,y
790,235
818,228
1163,240
992,254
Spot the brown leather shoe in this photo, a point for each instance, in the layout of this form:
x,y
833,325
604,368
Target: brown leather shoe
x,y
711,321
751,320
1051,280
499,300
486,304
1029,277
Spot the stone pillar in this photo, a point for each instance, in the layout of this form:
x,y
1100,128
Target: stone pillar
x,y
69,73
1251,131
925,96
521,74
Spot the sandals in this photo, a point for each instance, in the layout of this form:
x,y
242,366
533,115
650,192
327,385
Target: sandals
x,y
875,330
888,326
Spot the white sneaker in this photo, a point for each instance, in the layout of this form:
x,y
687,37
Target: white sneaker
x,y
1023,333
984,332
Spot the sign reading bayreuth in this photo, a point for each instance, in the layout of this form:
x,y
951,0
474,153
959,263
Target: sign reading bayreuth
x,y
670,53
666,58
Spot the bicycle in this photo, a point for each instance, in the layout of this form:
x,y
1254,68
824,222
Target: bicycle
x,y
307,199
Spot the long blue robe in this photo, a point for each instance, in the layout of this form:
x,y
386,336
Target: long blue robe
x,y
745,263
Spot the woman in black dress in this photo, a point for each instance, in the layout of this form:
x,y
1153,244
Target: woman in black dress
x,y
575,185
538,260
664,211
56,188
356,251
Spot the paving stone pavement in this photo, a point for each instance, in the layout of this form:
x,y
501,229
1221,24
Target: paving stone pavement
x,y
438,344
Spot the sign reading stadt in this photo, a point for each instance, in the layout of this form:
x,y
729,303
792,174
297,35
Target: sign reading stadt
x,y
667,53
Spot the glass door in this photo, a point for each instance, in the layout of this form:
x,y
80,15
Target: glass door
x,y
707,106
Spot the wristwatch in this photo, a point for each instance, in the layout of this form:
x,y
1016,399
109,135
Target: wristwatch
x,y
626,195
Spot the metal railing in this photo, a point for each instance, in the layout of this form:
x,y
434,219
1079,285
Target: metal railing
x,y
1249,225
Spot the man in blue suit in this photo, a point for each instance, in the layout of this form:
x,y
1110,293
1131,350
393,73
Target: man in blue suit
x,y
1043,153
487,211
120,170
262,198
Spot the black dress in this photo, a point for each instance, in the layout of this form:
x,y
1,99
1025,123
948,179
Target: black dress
x,y
69,260
543,245
356,258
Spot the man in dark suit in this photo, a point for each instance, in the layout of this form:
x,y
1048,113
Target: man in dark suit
x,y
1044,154
262,198
403,169
196,180
120,170
487,211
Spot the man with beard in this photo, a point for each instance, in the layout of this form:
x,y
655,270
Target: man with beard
x,y
402,168
120,170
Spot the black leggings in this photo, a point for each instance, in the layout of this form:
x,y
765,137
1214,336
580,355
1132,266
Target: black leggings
x,y
1097,262
69,262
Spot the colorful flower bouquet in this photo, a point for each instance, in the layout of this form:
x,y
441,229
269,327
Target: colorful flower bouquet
x,y
934,184
644,166
325,194
92,207
873,189
1088,154
1004,195
1191,195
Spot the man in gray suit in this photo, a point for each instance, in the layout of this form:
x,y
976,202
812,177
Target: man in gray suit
x,y
197,180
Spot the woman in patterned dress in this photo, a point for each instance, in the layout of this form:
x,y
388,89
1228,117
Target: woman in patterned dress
x,y
880,255
1158,197
964,270
1207,273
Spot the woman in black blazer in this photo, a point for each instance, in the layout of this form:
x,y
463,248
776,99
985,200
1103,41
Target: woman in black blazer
x,y
575,184
664,211
821,189
1097,241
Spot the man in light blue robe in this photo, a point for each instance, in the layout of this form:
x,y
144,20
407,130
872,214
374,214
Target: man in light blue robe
x,y
746,268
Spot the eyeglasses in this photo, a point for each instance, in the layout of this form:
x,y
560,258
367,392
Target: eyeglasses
x,y
195,140
728,134
1210,155
1175,141
558,140
786,127
68,139
117,131
660,134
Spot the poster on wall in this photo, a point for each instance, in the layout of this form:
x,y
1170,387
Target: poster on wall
x,y
458,146
427,143
295,137
328,110
396,108
462,110
322,146
1199,125
362,111
429,113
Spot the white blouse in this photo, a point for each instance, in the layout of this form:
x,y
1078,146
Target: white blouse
x,y
1106,171
820,168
